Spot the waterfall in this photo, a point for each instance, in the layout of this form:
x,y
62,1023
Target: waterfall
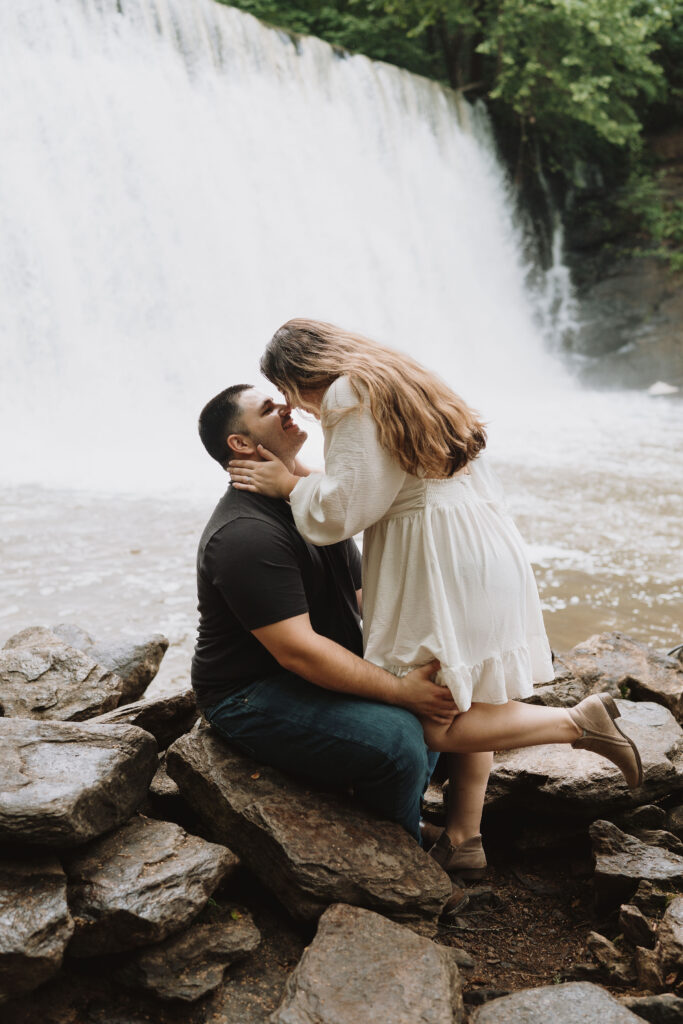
x,y
177,179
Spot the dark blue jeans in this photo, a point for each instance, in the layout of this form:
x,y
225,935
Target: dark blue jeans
x,y
332,739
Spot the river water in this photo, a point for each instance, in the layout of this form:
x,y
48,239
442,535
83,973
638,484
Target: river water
x,y
177,180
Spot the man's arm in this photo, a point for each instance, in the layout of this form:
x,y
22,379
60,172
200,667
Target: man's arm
x,y
298,648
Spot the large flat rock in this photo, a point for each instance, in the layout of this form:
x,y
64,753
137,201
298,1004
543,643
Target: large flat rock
x,y
44,678
134,659
577,1002
623,861
63,783
555,777
310,848
35,924
615,663
166,718
362,967
140,884
188,966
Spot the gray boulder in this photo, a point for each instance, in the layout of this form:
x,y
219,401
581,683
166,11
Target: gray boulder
x,y
621,666
35,924
140,884
134,659
555,777
166,718
192,964
310,848
361,967
63,783
577,1002
44,678
622,861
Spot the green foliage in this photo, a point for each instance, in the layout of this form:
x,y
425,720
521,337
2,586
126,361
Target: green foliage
x,y
660,219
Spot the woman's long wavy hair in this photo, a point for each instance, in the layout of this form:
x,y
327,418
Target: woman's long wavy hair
x,y
427,428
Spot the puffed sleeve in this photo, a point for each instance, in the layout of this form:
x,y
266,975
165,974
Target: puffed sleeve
x,y
361,479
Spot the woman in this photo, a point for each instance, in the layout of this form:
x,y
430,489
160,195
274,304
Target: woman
x,y
445,574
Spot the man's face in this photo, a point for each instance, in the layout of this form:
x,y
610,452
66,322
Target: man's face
x,y
269,423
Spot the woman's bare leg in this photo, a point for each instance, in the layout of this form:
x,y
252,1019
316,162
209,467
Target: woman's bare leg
x,y
488,727
468,776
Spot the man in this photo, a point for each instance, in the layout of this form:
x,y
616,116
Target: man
x,y
278,668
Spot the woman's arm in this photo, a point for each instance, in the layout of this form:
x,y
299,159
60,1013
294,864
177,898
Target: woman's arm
x,y
360,482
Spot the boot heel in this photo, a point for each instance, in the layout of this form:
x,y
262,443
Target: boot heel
x,y
610,707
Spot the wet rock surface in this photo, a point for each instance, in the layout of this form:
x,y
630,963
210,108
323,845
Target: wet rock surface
x,y
140,884
361,966
310,848
44,678
193,963
166,718
622,861
557,778
616,664
63,783
573,1003
35,924
135,659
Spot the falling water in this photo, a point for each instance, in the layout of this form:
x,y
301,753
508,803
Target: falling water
x,y
175,181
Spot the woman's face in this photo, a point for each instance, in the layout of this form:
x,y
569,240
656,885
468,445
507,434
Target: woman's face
x,y
311,400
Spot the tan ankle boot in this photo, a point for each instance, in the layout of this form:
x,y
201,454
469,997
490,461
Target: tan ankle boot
x,y
595,716
467,860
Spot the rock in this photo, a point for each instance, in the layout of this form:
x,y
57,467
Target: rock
x,y
162,786
617,966
635,926
577,1002
308,847
615,663
42,677
35,924
463,959
140,884
362,967
662,1009
193,963
658,837
675,821
652,899
621,861
134,659
648,970
669,948
648,816
166,718
63,783
556,778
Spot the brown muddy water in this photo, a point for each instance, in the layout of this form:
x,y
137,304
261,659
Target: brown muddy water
x,y
604,537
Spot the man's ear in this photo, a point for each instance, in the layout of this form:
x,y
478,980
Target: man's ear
x,y
241,446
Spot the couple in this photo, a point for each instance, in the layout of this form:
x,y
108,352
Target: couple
x,y
453,634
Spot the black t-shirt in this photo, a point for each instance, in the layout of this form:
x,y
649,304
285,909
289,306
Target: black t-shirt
x,y
254,569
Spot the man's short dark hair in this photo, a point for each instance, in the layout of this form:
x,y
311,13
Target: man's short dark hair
x,y
219,418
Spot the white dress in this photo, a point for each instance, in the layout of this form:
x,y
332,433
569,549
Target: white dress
x,y
445,572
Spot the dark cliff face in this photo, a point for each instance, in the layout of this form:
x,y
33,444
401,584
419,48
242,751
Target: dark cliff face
x,y
631,307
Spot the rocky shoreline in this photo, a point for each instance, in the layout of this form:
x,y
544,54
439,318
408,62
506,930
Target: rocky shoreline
x,y
150,872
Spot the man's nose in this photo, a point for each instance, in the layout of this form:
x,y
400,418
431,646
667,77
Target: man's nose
x,y
284,410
